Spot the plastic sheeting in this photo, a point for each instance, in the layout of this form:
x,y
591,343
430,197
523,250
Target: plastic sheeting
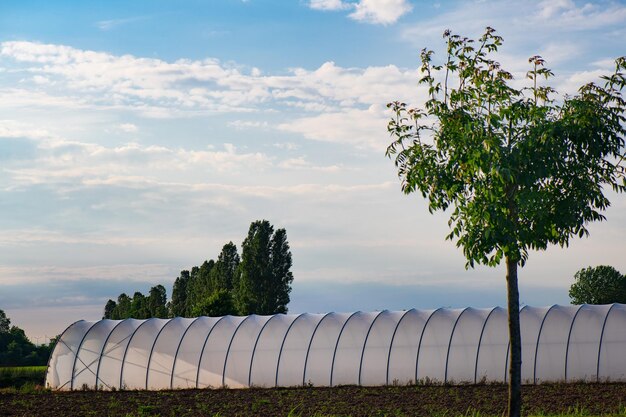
x,y
559,343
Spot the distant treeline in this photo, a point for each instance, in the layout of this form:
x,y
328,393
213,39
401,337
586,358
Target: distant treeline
x,y
16,349
257,282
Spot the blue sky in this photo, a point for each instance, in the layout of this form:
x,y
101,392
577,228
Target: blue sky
x,y
136,138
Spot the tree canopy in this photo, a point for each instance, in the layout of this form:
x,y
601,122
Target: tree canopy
x,y
519,168
598,285
265,277
138,307
16,349
258,282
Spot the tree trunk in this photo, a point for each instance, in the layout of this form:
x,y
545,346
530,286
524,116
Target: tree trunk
x,y
515,358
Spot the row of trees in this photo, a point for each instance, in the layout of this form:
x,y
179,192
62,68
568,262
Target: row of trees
x,y
16,349
208,290
257,282
140,306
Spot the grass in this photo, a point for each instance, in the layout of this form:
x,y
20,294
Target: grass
x,y
19,376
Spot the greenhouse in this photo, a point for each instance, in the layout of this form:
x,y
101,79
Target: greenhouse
x,y
559,343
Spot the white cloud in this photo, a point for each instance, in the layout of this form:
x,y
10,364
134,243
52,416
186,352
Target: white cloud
x,y
48,273
290,146
379,12
363,129
532,21
329,5
25,98
14,129
330,103
382,12
565,13
38,79
300,163
113,23
574,81
157,88
248,124
61,161
558,52
128,128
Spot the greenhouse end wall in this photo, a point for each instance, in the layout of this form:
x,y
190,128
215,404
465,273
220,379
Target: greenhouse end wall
x,y
559,343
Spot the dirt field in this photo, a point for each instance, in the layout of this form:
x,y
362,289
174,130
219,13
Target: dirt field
x,y
483,400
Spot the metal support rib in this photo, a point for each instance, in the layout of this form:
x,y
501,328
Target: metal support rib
x,y
332,364
76,374
419,346
102,350
480,340
506,361
365,342
569,335
306,358
78,351
445,374
280,352
229,345
204,345
180,342
152,348
254,348
393,336
56,345
126,349
537,345
600,344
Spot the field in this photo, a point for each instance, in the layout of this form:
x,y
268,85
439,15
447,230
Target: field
x,y
449,401
21,375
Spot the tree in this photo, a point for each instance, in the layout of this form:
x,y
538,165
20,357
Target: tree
x,y
255,270
123,309
179,295
16,349
109,309
600,285
281,271
518,170
221,303
200,286
264,280
139,306
223,274
5,322
157,300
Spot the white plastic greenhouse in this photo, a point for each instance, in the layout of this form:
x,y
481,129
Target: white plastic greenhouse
x,y
559,343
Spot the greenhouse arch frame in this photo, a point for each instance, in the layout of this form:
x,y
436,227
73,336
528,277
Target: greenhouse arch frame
x,y
469,345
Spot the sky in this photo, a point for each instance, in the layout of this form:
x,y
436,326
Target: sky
x,y
137,138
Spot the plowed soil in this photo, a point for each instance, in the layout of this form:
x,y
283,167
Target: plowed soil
x,y
487,400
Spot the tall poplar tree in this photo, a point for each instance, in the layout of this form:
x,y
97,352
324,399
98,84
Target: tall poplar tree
x,y
179,295
223,274
264,280
282,276
157,300
200,286
109,308
123,308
